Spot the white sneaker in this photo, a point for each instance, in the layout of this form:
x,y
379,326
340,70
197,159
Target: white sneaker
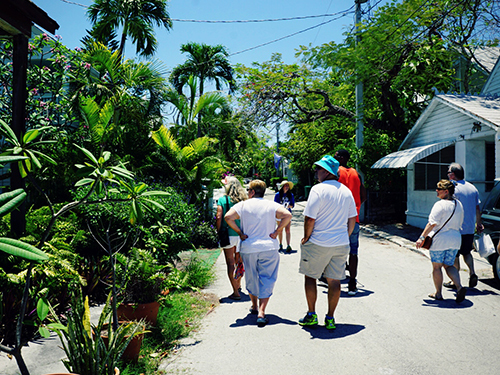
x,y
352,292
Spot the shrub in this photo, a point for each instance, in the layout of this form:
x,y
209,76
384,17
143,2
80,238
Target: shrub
x,y
205,235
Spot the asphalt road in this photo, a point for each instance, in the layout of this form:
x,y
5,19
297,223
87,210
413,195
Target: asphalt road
x,y
389,327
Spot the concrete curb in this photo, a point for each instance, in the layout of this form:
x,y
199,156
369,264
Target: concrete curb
x,y
395,239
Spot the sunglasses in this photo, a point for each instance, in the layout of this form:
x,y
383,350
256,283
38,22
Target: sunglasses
x,y
440,189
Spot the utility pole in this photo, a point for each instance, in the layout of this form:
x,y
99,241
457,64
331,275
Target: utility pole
x,y
359,85
359,98
278,147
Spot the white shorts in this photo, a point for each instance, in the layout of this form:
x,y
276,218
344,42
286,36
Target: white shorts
x,y
233,241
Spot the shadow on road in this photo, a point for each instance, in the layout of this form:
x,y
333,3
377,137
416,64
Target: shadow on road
x,y
244,298
448,303
343,330
491,282
251,320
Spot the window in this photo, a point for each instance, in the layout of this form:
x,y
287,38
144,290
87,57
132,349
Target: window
x,y
490,165
430,170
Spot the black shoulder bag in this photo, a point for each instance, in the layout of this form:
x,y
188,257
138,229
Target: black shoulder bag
x,y
224,229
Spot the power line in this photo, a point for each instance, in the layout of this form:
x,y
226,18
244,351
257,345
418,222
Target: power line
x,y
237,21
289,35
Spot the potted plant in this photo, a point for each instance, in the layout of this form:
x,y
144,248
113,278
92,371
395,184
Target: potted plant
x,y
143,284
90,349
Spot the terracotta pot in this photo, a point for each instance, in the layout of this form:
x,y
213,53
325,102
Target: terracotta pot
x,y
138,311
131,353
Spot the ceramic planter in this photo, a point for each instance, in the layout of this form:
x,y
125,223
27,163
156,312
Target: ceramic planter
x,y
138,311
131,353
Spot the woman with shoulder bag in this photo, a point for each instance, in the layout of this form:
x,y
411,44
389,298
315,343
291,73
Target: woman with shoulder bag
x,y
443,227
234,193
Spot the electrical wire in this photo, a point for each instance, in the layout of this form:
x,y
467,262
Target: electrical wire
x,y
289,35
236,21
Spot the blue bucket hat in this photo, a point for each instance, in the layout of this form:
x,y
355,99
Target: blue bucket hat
x,y
330,164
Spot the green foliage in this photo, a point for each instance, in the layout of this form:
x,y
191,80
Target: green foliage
x,y
136,20
197,274
140,276
86,351
205,235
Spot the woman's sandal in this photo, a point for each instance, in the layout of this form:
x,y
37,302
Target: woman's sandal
x,y
433,296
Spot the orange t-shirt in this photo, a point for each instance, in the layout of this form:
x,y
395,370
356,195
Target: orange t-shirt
x,y
350,178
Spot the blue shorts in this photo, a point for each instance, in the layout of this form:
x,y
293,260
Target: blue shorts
x,y
443,256
261,272
354,240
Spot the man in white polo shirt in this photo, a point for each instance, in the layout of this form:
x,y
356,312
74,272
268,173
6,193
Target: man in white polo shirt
x,y
330,217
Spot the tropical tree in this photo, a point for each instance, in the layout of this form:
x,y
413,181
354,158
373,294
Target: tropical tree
x,y
187,118
406,50
135,18
207,63
194,165
135,93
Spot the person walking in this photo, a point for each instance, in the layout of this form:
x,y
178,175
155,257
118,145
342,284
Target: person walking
x,y
351,178
286,198
259,246
445,221
468,195
234,193
330,217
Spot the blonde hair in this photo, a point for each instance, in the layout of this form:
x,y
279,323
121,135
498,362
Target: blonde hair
x,y
446,185
235,191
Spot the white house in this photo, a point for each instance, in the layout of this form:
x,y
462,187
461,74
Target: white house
x,y
453,128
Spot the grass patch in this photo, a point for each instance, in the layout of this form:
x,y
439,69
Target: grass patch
x,y
181,313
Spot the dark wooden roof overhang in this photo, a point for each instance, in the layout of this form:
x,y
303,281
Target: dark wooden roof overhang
x,y
17,17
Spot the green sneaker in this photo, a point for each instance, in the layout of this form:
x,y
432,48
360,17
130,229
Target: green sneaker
x,y
330,323
309,320
288,249
281,248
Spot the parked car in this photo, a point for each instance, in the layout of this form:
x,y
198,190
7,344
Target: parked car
x,y
490,217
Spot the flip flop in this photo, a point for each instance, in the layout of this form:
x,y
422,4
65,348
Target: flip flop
x,y
450,285
433,296
236,298
253,311
261,322
461,295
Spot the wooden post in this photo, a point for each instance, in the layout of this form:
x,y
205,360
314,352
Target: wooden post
x,y
19,96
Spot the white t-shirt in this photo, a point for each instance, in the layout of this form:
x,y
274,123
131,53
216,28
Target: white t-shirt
x,y
449,237
258,221
468,195
331,204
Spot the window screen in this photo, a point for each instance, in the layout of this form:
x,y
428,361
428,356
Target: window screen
x,y
430,170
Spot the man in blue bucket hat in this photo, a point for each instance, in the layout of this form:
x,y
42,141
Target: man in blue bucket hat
x,y
330,217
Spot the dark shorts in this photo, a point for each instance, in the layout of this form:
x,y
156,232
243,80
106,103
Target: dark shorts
x,y
467,244
354,240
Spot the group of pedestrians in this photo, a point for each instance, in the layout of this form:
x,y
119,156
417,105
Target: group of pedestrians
x,y
452,223
331,232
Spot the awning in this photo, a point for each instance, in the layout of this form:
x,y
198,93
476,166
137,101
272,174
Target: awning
x,y
401,159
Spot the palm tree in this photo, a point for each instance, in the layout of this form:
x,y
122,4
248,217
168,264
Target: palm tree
x,y
189,109
137,19
192,165
207,63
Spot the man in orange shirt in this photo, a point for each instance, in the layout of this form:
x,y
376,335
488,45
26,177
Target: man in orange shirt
x,y
351,178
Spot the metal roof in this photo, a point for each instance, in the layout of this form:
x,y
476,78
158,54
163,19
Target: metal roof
x,y
400,159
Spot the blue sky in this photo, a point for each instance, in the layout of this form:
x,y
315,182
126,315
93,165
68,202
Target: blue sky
x,y
236,37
